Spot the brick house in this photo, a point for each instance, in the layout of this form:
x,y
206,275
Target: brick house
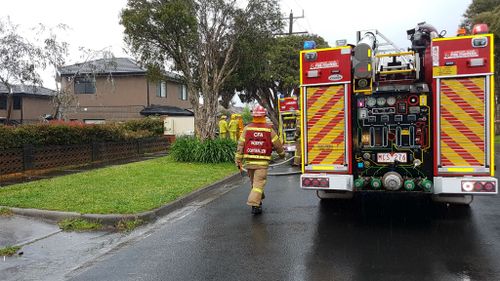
x,y
30,103
118,89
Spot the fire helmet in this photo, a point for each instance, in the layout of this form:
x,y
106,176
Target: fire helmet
x,y
259,111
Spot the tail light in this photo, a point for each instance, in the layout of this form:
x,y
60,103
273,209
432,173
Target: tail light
x,y
316,182
478,186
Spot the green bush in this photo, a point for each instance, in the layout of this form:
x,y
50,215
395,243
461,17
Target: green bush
x,y
149,124
190,149
69,133
184,148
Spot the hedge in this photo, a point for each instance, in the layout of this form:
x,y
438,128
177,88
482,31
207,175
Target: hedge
x,y
69,133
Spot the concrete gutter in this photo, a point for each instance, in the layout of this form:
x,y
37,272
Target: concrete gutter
x,y
113,219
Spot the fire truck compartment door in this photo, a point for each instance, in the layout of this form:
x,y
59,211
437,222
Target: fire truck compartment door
x,y
464,132
325,126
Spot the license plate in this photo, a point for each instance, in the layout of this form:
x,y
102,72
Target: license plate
x,y
391,157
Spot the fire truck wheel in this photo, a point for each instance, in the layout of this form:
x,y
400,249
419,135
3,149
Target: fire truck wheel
x,y
323,195
458,200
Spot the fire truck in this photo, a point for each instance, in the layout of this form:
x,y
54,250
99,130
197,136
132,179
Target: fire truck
x,y
288,116
375,118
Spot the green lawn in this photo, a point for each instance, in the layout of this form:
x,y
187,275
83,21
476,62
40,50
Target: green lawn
x,y
123,189
497,139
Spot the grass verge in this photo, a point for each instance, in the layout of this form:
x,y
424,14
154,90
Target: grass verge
x,y
5,212
123,189
9,251
497,139
79,225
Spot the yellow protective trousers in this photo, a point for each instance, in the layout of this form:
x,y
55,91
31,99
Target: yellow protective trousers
x,y
258,179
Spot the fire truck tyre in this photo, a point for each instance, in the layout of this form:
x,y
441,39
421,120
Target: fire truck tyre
x,y
322,194
459,200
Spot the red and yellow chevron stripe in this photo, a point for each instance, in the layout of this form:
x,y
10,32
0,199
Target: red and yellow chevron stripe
x,y
462,122
325,125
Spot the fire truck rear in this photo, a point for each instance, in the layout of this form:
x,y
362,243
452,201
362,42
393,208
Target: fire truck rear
x,y
375,118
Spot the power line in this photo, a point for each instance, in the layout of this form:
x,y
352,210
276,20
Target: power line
x,y
291,20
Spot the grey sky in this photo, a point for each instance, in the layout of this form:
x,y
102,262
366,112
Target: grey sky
x,y
95,23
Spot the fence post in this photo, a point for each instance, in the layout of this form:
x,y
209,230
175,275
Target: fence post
x,y
28,156
139,146
95,151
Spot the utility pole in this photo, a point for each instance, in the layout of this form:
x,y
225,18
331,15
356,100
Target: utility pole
x,y
290,20
290,24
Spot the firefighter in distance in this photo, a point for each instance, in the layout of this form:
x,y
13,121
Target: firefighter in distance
x,y
223,127
254,151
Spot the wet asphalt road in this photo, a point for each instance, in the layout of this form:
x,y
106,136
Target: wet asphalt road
x,y
301,238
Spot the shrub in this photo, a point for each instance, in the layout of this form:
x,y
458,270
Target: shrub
x,y
184,148
215,151
190,149
150,124
61,133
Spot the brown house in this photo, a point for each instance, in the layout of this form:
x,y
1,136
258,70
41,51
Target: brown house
x,y
118,89
30,104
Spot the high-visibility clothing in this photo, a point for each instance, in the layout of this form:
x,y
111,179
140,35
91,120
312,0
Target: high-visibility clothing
x,y
223,129
258,142
254,148
233,129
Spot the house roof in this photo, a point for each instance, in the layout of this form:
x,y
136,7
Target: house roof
x,y
165,110
111,65
28,90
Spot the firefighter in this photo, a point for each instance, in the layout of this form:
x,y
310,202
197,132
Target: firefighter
x,y
240,125
223,127
254,149
298,148
233,127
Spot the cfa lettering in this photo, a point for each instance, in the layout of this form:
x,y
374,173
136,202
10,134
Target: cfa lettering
x,y
258,134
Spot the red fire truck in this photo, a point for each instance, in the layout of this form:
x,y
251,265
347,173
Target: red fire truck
x,y
378,119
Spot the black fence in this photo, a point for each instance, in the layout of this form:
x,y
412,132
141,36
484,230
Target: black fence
x,y
29,158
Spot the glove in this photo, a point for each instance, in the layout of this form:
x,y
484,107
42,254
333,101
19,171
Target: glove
x,y
282,155
238,163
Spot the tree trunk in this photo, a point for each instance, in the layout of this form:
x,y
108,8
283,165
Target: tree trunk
x,y
10,103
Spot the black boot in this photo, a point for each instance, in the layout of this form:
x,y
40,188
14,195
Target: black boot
x,y
257,210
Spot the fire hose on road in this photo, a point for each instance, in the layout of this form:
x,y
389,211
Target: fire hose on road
x,y
279,164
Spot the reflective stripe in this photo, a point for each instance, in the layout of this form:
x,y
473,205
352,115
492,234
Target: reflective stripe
x,y
259,163
275,138
258,190
238,156
247,156
259,129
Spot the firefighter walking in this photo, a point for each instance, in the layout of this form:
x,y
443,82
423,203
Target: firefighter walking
x,y
254,150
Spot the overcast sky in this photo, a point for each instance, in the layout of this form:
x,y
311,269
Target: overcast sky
x,y
95,23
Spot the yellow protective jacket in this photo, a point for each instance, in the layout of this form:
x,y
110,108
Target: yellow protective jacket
x,y
233,125
253,163
222,126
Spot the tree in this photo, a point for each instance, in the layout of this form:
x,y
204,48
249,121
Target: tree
x,y
486,11
199,37
19,61
271,69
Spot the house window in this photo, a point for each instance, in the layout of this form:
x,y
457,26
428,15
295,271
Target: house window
x,y
85,85
161,89
17,103
3,102
183,95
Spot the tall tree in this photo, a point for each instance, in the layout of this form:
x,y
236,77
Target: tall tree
x,y
199,37
19,61
487,11
270,68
